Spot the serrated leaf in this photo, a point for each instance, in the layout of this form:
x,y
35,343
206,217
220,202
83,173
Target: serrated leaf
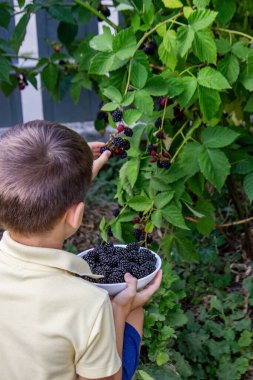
x,y
218,137
190,86
201,4
226,10
187,11
131,116
185,37
144,375
102,42
204,46
144,102
163,198
201,19
5,69
248,185
209,101
223,46
132,172
140,203
124,44
229,67
175,87
206,224
173,4
185,248
240,50
128,99
214,165
156,86
117,231
174,216
139,75
5,16
101,63
156,218
162,358
67,32
211,78
113,94
75,91
19,32
167,50
61,13
249,105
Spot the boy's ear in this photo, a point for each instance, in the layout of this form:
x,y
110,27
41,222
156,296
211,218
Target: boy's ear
x,y
74,215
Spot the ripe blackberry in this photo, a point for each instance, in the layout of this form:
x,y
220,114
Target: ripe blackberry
x,y
139,272
116,276
178,113
108,247
116,211
160,134
123,155
118,141
21,86
149,256
158,122
109,231
164,164
104,10
151,148
99,269
128,132
117,115
120,128
120,251
132,247
105,259
149,47
137,234
125,144
103,149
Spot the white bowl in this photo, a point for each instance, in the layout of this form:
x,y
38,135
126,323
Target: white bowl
x,y
118,287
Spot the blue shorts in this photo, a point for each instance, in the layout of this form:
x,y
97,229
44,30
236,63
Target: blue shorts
x,y
131,350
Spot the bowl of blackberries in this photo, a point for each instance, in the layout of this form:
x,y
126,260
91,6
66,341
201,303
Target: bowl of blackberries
x,y
113,261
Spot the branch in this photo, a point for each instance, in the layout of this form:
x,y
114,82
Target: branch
x,y
225,225
97,13
235,32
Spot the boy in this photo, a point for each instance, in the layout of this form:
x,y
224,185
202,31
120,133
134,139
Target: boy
x,y
53,324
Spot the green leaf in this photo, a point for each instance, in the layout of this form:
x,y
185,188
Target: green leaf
x,y
218,137
201,19
226,10
21,3
109,107
209,101
163,198
113,94
185,37
144,375
201,4
175,86
131,116
162,358
50,76
140,203
245,339
240,50
156,218
204,46
174,216
101,63
167,243
206,224
67,32
167,50
186,164
132,172
185,248
61,13
5,16
172,4
124,44
144,102
75,91
156,86
102,42
211,78
128,99
223,46
117,230
5,69
139,75
190,85
214,165
229,67
19,32
249,105
248,185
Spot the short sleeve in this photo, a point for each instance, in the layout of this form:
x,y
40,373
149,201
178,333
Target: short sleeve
x,y
100,358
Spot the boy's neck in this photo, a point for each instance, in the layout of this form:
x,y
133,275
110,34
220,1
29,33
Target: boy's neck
x,y
46,240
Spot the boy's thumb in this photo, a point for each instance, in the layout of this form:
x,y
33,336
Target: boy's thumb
x,y
131,282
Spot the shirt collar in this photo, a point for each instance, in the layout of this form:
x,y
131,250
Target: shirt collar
x,y
49,257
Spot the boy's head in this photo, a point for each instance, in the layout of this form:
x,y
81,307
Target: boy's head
x,y
45,168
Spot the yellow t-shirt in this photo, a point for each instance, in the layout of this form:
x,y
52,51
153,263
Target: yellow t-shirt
x,y
53,325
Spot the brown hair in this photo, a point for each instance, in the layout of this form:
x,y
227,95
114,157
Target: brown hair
x,y
45,168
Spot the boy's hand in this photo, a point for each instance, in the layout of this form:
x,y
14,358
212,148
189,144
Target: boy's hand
x,y
123,301
144,295
99,159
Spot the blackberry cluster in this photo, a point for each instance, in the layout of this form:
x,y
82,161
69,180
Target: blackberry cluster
x,y
117,115
113,262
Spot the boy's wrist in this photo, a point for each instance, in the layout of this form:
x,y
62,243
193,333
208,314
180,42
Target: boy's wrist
x,y
121,311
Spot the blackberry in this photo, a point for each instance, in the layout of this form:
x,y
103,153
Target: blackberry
x,y
153,153
158,122
108,247
164,164
118,142
139,272
149,47
103,149
149,256
178,113
163,102
109,231
104,10
151,148
116,211
123,155
125,144
117,115
99,269
116,276
128,132
120,251
132,247
102,115
160,134
105,259
137,234
153,159
136,219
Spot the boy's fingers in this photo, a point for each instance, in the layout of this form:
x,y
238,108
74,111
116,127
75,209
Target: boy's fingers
x,y
131,283
144,295
100,162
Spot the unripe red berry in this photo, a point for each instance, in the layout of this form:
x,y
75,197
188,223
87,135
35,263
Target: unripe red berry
x,y
120,128
153,159
136,219
163,101
153,153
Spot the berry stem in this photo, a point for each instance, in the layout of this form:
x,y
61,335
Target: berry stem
x,y
97,13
